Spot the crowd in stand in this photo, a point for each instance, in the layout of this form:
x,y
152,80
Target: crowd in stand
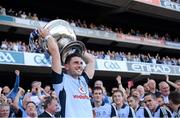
x,y
146,100
91,25
176,1
108,55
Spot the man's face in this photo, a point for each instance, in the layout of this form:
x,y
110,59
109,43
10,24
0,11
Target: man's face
x,y
53,106
165,89
146,87
160,101
47,89
118,98
30,109
6,90
172,106
136,93
98,83
4,111
152,84
75,66
132,102
150,102
98,95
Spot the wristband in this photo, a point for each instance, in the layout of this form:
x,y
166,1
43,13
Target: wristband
x,y
47,37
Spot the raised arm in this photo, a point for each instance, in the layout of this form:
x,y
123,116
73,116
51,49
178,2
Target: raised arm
x,y
53,49
16,84
90,66
118,78
171,83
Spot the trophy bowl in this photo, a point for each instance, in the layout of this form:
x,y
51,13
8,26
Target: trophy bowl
x,y
65,37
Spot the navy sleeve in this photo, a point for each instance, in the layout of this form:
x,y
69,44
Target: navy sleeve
x,y
56,78
130,113
113,111
86,77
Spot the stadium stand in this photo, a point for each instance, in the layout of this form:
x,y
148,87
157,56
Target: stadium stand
x,y
139,44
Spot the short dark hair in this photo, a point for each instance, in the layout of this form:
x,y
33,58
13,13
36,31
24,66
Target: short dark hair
x,y
134,97
69,57
31,102
175,97
151,94
118,91
48,101
97,88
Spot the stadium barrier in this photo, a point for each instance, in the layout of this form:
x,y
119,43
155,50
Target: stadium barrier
x,y
39,60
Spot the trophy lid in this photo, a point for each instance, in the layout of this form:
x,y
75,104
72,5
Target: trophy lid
x,y
60,28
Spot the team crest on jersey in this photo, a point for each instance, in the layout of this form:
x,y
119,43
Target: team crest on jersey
x,y
81,90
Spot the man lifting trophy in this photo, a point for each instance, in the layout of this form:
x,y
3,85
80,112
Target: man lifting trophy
x,y
71,85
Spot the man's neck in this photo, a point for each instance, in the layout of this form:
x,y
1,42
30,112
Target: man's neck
x,y
73,76
177,107
153,110
49,112
97,104
118,106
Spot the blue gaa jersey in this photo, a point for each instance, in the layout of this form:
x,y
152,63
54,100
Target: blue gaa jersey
x,y
162,112
104,111
73,95
143,112
125,112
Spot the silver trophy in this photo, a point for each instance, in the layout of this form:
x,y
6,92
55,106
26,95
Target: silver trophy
x,y
63,34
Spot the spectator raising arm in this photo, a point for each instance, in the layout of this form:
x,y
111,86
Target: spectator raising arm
x,y
118,78
171,83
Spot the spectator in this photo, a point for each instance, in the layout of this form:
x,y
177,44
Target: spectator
x,y
146,88
47,89
175,103
140,111
6,90
123,109
36,95
140,89
34,17
12,94
4,110
23,15
157,111
165,91
152,87
101,108
2,11
99,83
31,110
50,108
176,85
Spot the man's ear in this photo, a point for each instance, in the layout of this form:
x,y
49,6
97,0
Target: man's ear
x,y
66,66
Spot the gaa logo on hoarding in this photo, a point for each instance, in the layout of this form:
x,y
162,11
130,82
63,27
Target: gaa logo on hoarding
x,y
34,23
111,65
6,57
41,60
